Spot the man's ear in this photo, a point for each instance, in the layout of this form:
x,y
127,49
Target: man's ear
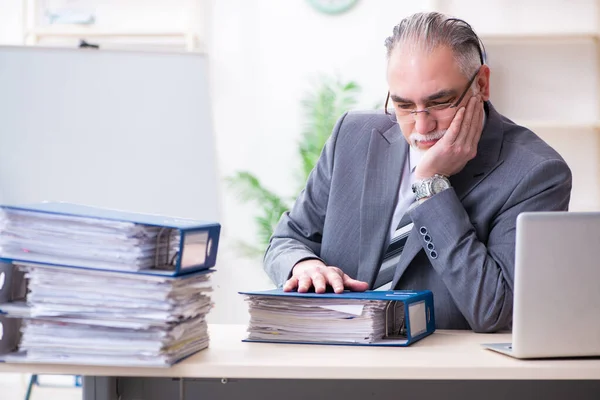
x,y
483,82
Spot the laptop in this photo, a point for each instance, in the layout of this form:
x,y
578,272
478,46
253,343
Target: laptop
x,y
556,310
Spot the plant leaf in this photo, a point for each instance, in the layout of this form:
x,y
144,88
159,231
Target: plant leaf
x,y
271,206
322,107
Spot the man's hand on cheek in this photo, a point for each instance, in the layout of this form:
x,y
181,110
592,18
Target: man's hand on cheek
x,y
459,145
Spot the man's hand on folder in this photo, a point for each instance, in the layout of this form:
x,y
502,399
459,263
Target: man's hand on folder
x,y
313,273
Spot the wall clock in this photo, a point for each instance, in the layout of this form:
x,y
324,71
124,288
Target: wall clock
x,y
332,6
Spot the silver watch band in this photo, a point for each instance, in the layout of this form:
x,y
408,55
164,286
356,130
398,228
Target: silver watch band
x,y
430,186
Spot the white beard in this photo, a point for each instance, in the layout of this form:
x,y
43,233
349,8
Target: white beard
x,y
415,138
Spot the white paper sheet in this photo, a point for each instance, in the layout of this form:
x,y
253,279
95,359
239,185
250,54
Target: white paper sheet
x,y
99,318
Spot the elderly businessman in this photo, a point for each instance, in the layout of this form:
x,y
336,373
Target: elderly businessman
x,y
425,194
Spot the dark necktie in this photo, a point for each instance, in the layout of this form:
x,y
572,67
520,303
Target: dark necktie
x,y
392,254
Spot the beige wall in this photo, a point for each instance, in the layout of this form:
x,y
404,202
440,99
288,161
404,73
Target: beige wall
x,y
265,54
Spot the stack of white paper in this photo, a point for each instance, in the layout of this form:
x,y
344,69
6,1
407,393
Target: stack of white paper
x,y
108,318
298,319
84,242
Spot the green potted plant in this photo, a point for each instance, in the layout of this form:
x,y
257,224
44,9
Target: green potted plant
x,y
322,107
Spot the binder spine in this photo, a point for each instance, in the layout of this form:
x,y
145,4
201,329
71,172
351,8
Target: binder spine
x,y
212,246
194,254
424,321
430,313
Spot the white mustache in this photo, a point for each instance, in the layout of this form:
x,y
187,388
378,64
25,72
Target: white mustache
x,y
417,137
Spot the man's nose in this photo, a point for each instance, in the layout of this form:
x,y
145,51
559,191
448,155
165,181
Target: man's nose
x,y
424,124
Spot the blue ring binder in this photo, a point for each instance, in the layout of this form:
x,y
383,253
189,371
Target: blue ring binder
x,y
196,249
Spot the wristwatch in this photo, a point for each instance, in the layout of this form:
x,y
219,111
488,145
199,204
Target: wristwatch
x,y
430,186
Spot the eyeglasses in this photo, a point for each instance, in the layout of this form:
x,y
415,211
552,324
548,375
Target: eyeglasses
x,y
439,111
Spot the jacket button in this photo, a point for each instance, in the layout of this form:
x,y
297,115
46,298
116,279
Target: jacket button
x,y
423,230
430,246
433,254
427,238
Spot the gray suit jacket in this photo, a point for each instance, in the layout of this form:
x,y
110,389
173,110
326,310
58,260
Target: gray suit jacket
x,y
343,215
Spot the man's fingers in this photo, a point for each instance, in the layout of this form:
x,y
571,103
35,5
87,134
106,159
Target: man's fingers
x,y
455,126
304,283
319,282
465,128
320,278
477,125
354,285
335,280
290,284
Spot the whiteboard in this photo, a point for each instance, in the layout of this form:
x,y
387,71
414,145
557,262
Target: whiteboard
x,y
118,129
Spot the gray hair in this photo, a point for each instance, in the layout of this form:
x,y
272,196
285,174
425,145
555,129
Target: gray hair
x,y
432,29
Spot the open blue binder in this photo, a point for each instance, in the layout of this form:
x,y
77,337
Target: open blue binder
x,y
409,315
196,241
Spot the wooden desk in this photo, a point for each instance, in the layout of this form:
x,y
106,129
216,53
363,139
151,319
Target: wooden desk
x,y
445,355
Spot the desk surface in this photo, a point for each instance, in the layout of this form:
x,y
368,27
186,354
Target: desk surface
x,y
443,355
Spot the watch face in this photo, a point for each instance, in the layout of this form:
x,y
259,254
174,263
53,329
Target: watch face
x,y
439,185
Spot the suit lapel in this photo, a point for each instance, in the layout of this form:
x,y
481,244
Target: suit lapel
x,y
475,171
385,160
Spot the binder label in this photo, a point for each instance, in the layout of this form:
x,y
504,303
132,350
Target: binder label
x,y
418,318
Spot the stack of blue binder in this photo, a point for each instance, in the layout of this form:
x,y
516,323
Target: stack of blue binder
x,y
103,287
